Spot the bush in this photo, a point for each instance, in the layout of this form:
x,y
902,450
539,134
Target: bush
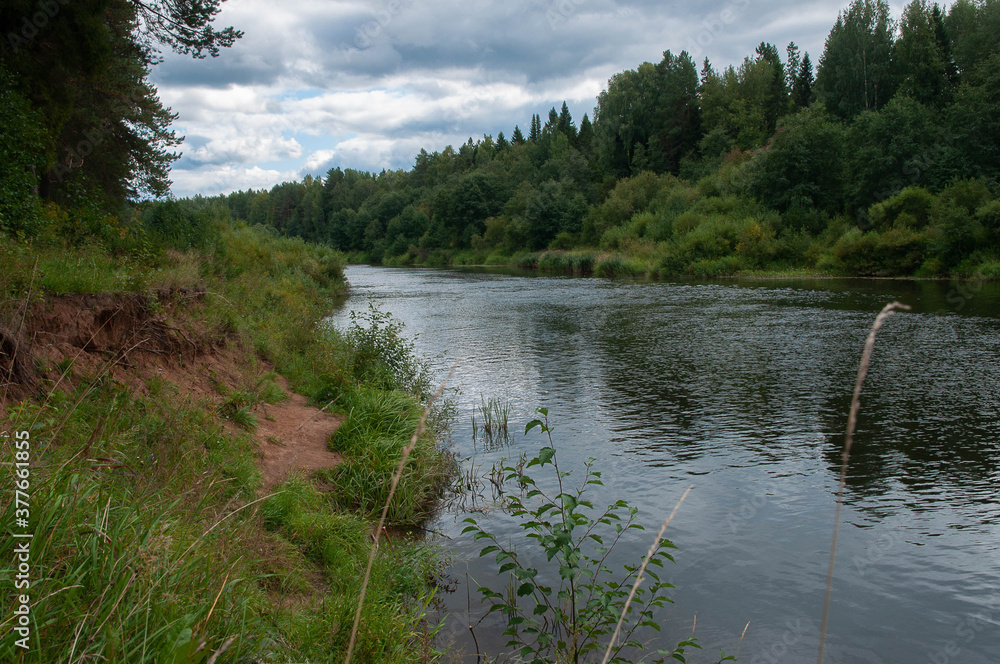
x,y
989,216
912,207
180,225
967,194
897,251
630,195
955,234
22,156
382,356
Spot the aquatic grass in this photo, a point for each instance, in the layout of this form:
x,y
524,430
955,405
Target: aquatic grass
x,y
492,425
567,262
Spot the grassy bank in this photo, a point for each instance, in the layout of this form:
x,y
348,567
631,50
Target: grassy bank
x,y
153,539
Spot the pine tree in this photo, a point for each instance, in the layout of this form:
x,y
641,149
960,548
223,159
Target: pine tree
x,y
501,142
708,73
517,138
585,137
793,62
536,129
944,43
777,103
552,124
87,75
856,72
802,90
919,59
565,124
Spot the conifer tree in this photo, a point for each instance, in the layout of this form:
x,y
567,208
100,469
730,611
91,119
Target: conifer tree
x,y
855,72
536,129
565,124
802,90
585,136
552,124
85,70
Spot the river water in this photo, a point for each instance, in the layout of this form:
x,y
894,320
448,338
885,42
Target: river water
x,y
741,389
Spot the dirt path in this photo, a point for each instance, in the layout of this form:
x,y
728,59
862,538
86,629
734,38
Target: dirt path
x,y
293,436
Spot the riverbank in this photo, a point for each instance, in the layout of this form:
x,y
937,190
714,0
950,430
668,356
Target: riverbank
x,y
201,471
618,265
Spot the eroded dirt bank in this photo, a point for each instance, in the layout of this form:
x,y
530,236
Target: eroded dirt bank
x,y
133,338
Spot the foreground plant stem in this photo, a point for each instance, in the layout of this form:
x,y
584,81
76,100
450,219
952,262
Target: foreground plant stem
x,y
852,421
385,510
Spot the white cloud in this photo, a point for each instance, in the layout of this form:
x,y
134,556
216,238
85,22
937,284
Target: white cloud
x,y
319,160
368,83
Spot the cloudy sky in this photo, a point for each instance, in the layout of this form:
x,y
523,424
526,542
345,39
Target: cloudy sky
x,y
367,83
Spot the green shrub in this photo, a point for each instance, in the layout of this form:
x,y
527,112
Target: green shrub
x,y
629,196
22,160
897,251
382,356
988,215
914,202
181,225
967,194
955,234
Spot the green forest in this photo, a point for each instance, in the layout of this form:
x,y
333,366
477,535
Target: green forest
x,y
883,161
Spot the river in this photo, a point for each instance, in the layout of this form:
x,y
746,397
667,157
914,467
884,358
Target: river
x,y
741,390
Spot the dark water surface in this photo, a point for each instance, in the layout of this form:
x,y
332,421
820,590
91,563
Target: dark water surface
x,y
741,389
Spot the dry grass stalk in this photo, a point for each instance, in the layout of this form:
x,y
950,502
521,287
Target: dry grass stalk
x,y
852,421
385,510
642,570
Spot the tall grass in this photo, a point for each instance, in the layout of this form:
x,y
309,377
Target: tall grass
x,y
372,439
150,541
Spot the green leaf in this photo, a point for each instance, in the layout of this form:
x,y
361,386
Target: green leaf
x,y
488,550
525,589
532,424
545,455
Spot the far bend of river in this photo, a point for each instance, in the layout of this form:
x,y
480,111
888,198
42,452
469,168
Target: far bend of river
x,y
741,389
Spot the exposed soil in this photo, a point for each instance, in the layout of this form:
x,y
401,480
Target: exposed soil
x,y
128,338
293,436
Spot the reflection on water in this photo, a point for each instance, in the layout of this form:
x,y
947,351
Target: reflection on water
x,y
741,388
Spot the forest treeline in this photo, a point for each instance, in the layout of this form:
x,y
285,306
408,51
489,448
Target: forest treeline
x,y
883,160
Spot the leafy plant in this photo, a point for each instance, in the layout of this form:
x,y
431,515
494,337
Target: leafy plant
x,y
566,621
383,356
